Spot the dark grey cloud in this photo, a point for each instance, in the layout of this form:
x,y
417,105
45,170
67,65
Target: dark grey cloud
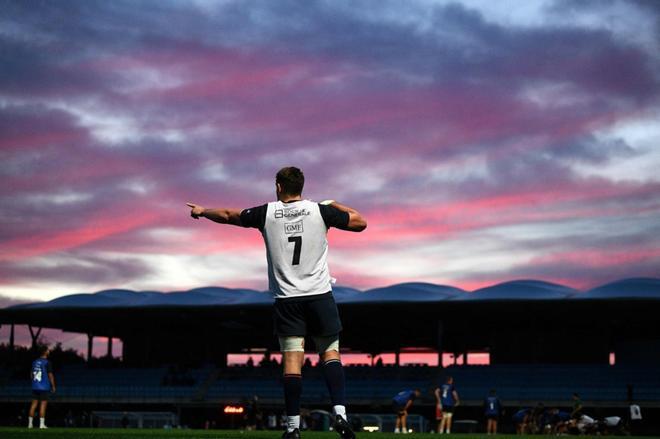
x,y
77,268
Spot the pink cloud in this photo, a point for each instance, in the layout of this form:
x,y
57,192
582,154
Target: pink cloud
x,y
98,227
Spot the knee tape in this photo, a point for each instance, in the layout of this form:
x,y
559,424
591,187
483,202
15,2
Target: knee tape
x,y
292,344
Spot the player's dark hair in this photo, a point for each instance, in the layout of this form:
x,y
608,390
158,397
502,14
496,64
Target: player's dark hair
x,y
291,180
42,349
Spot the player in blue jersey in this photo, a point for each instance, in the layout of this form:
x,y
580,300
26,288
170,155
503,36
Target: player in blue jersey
x,y
43,383
492,411
449,400
521,418
401,402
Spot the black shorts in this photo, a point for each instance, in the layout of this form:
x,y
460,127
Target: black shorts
x,y
398,408
314,315
492,417
40,395
448,408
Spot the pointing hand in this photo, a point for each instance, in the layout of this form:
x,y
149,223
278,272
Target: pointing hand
x,y
196,211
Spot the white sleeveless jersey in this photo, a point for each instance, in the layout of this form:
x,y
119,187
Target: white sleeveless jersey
x,y
295,234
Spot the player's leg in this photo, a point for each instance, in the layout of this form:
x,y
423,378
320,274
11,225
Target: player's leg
x,y
333,372
290,327
450,417
404,424
42,414
293,354
33,408
322,318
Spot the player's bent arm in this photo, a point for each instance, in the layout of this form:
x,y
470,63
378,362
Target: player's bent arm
x,y
356,222
219,215
458,401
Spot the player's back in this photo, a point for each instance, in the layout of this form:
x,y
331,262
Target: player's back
x,y
447,394
403,396
40,379
492,405
297,249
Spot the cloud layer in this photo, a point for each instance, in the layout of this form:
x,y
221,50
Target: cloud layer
x,y
483,143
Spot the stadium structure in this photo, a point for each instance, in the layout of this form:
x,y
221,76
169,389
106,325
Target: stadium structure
x,y
545,341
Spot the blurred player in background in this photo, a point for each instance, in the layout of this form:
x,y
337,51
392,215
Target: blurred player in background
x,y
449,400
521,418
577,407
401,403
43,384
294,232
438,409
492,411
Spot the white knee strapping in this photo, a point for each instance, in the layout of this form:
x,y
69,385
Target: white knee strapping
x,y
297,344
292,344
325,344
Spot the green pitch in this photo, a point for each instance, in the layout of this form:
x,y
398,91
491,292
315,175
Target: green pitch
x,y
71,433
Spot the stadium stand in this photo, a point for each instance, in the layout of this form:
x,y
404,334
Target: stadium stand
x,y
545,342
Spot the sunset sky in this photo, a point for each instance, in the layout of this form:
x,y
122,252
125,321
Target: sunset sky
x,y
483,141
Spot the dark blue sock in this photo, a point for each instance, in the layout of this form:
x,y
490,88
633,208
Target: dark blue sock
x,y
292,392
336,382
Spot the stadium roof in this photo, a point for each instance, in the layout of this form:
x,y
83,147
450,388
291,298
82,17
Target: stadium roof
x,y
518,290
637,288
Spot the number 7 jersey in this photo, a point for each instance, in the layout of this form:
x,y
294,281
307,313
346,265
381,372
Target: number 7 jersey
x,y
295,234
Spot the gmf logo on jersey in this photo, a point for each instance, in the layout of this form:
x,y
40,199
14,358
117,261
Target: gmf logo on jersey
x,y
293,228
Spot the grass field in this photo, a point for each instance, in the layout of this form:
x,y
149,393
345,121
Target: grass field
x,y
70,433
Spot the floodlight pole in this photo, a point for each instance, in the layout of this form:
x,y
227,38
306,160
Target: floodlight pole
x,y
90,344
11,337
439,346
109,347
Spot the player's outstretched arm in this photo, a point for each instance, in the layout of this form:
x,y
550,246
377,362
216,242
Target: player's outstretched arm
x,y
356,222
219,215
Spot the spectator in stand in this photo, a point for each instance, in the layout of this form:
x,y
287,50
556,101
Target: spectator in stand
x,y
492,411
43,384
449,399
401,404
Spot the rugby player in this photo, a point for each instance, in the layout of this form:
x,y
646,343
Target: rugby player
x,y
43,384
294,232
492,411
401,402
449,400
